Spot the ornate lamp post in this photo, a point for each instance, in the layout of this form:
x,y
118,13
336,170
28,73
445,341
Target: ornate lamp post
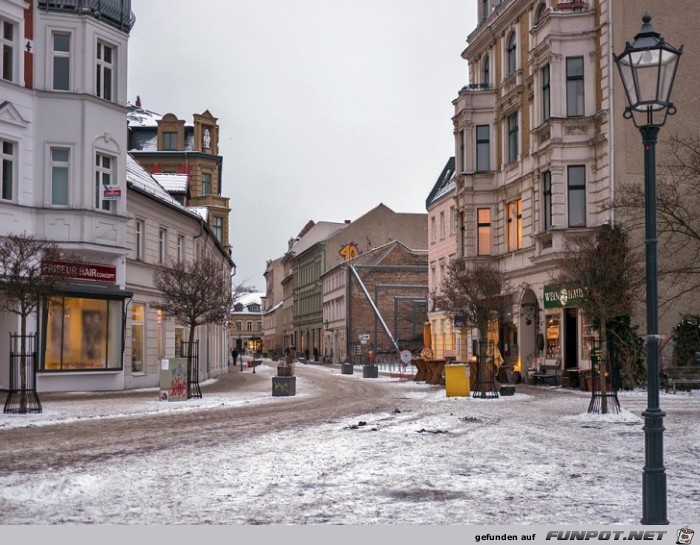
x,y
648,68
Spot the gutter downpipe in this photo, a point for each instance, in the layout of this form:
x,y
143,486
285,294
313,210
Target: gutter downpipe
x,y
374,308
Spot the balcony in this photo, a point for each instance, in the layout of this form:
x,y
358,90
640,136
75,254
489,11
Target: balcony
x,y
116,13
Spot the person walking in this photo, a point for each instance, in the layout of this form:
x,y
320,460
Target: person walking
x,y
234,354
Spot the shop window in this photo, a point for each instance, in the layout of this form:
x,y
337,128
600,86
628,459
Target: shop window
x,y
137,337
553,337
83,334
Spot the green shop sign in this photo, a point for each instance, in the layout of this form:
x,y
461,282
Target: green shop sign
x,y
562,297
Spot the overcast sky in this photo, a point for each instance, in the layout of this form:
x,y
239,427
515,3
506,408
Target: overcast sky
x,y
326,108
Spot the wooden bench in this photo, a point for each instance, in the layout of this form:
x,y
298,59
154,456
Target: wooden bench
x,y
548,373
681,375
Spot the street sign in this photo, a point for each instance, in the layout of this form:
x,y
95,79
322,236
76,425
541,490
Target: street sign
x,y
364,339
406,356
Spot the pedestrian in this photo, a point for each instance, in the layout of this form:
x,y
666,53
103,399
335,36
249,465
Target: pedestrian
x,y
234,354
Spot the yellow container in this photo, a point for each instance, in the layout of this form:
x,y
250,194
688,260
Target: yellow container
x,y
457,380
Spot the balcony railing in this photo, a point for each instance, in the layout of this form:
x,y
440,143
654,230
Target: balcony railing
x,y
477,87
116,13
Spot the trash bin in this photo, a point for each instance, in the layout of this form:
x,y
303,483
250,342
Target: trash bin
x,y
457,380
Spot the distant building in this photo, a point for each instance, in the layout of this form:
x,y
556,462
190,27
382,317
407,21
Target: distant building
x,y
246,324
272,311
184,158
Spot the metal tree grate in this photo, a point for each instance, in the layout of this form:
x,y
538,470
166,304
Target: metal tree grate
x,y
485,384
598,364
22,397
190,350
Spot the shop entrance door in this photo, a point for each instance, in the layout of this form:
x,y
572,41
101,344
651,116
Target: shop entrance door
x,y
570,338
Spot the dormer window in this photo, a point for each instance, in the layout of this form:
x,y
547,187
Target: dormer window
x,y
170,141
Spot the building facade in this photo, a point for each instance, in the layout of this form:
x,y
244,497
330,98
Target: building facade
x,y
63,143
540,146
160,231
246,324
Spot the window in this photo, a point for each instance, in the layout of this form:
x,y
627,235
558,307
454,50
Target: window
x,y
249,325
239,325
442,225
139,239
162,249
103,178
542,12
461,150
547,200
433,277
512,137
180,248
60,158
219,228
453,220
7,170
137,313
483,228
485,73
484,9
545,93
483,148
83,334
170,141
511,55
206,183
433,229
104,67
7,41
514,217
574,86
61,61
577,195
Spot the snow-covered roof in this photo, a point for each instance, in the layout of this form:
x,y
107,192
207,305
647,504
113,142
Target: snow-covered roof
x,y
140,117
201,211
175,183
444,184
138,176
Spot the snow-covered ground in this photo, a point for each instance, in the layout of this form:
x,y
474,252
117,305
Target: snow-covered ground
x,y
530,459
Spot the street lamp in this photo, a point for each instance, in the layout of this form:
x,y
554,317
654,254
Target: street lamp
x,y
648,68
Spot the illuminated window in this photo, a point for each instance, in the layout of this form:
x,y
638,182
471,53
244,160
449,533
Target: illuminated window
x,y
514,218
137,329
483,227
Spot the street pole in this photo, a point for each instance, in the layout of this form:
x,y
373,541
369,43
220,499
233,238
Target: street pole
x,y
654,478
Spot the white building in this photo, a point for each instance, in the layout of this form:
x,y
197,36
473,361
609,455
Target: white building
x,y
63,143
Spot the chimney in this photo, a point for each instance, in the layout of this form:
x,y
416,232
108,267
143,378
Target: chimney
x,y
348,222
138,101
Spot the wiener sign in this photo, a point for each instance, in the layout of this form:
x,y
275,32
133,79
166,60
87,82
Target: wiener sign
x,y
88,272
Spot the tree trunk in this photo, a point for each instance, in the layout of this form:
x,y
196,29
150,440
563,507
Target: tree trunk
x,y
604,358
190,347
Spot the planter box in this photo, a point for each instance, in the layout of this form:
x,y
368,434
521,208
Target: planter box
x,y
284,386
507,390
346,368
370,371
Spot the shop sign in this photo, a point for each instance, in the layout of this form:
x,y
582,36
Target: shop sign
x,y
89,272
555,297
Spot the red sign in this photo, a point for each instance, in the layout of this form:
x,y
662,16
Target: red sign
x,y
89,272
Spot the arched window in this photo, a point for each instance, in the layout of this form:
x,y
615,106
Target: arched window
x,y
510,55
485,73
542,12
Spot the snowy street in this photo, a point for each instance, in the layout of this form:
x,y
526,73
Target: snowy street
x,y
344,450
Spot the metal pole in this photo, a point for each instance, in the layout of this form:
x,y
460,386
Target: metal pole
x,y
654,479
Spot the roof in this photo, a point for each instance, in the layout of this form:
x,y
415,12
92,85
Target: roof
x,y
320,231
174,183
138,176
444,185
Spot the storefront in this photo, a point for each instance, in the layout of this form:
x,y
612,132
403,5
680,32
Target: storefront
x,y
82,332
569,334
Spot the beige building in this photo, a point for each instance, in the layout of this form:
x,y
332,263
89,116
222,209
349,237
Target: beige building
x,y
541,145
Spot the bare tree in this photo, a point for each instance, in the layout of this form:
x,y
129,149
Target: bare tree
x,y
25,282
477,293
609,274
195,293
678,221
